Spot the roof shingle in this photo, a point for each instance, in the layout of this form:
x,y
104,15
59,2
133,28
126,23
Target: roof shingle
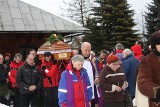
x,y
16,15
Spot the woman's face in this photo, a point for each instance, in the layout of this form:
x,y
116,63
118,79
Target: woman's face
x,y
158,48
77,65
115,66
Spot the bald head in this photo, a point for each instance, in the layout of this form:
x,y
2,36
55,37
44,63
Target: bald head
x,y
84,44
86,49
74,52
30,59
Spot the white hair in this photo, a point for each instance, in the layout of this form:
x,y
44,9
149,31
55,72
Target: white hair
x,y
76,58
127,51
1,55
85,43
119,46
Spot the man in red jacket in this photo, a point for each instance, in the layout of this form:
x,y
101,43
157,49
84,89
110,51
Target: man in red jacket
x,y
50,73
14,65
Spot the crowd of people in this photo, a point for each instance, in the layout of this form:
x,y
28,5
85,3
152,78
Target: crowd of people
x,y
86,80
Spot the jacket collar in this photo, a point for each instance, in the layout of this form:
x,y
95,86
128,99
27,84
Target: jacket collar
x,y
129,56
29,66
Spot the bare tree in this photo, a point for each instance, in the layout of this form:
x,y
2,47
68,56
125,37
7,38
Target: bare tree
x,y
78,10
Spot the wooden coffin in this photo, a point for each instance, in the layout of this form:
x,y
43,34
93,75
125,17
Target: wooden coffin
x,y
59,50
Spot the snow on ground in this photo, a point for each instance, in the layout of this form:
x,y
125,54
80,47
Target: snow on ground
x,y
2,105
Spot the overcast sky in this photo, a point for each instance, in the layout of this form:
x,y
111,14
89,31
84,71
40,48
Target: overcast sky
x,y
53,6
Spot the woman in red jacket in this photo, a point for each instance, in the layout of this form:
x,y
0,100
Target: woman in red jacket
x,y
14,65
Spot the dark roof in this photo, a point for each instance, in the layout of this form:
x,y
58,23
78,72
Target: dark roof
x,y
19,16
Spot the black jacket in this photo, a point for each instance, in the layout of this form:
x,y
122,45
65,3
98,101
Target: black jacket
x,y
3,75
28,75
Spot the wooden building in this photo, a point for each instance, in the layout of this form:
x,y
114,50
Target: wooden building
x,y
23,26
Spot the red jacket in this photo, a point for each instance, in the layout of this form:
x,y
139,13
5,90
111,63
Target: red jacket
x,y
13,72
50,74
78,88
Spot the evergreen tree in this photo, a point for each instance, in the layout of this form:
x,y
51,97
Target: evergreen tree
x,y
153,16
113,23
93,38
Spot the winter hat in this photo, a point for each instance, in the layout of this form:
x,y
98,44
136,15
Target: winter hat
x,y
155,39
112,58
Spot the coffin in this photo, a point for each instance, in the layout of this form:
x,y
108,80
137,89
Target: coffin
x,y
59,50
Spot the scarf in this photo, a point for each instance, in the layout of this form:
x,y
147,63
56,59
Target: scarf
x,y
70,94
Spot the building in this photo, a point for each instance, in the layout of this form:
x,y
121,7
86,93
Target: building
x,y
23,26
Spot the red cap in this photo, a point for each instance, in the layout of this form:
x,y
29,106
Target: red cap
x,y
112,58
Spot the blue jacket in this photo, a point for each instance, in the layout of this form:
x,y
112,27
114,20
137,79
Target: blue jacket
x,y
120,56
130,63
63,91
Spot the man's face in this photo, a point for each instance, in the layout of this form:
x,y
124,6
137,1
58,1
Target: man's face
x,y
48,58
1,59
86,50
33,53
18,60
124,55
30,60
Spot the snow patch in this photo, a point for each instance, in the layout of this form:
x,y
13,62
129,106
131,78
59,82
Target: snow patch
x,y
2,105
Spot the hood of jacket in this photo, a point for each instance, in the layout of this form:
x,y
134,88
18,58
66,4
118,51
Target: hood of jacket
x,y
137,50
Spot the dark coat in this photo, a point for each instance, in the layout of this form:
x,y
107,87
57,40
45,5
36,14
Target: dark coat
x,y
3,75
149,78
28,75
129,66
108,79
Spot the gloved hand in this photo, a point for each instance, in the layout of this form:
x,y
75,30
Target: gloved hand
x,y
54,61
43,68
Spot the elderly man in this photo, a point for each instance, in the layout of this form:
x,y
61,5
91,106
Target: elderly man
x,y
130,63
119,49
90,66
29,80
